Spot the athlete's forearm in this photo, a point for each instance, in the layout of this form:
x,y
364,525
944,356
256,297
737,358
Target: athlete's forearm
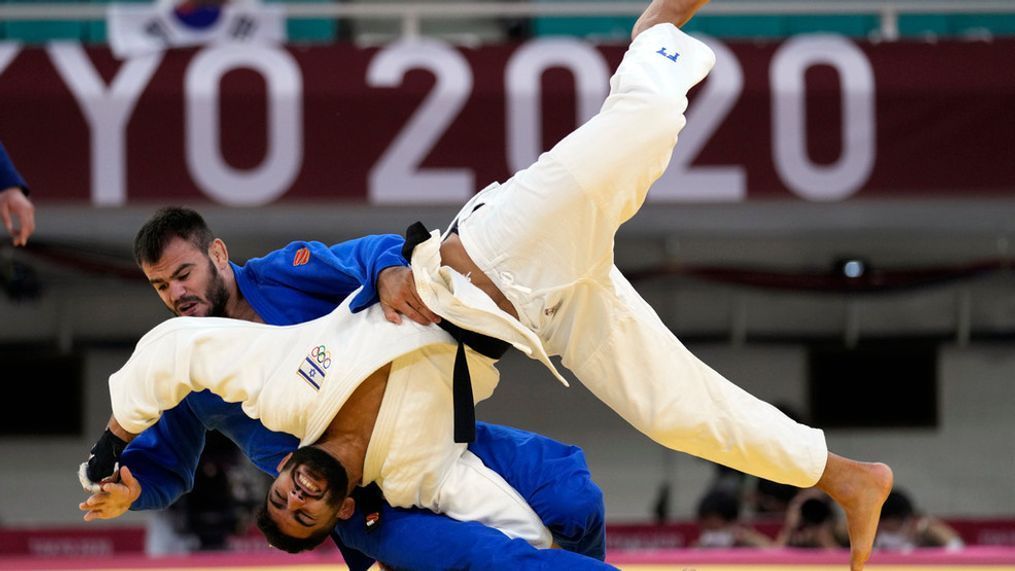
x,y
104,457
676,12
118,431
454,255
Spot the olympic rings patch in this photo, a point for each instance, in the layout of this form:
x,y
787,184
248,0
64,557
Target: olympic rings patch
x,y
322,356
314,365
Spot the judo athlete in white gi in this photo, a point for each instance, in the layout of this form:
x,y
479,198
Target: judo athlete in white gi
x,y
540,247
379,392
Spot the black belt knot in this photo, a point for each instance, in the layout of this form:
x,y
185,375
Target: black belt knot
x,y
461,390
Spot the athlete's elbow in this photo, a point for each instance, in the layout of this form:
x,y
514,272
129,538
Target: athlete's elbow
x,y
587,508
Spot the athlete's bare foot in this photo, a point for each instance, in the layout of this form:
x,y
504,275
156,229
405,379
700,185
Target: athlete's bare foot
x,y
676,12
860,488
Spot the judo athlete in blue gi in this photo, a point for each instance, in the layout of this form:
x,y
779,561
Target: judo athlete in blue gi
x,y
400,371
14,203
190,270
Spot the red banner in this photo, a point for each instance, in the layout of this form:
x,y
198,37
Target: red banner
x,y
121,540
71,542
76,542
996,532
811,118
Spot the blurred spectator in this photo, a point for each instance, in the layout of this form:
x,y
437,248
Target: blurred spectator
x,y
212,513
166,533
661,508
728,480
772,499
16,211
248,486
767,499
719,521
811,523
222,503
902,528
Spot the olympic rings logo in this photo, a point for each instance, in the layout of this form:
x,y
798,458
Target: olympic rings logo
x,y
322,356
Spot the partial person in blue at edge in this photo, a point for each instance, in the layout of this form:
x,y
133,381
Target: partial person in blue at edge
x,y
14,203
191,271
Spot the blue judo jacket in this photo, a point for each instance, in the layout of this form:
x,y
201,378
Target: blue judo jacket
x,y
306,280
9,176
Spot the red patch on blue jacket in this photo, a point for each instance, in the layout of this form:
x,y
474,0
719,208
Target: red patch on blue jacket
x,y
302,256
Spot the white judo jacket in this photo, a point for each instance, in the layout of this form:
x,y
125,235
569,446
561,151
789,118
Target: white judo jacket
x,y
296,378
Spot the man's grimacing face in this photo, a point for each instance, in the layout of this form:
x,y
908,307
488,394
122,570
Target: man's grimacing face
x,y
309,493
188,280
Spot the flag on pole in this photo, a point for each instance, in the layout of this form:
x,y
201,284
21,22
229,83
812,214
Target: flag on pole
x,y
138,29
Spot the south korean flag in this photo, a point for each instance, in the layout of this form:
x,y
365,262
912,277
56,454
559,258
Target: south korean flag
x,y
141,29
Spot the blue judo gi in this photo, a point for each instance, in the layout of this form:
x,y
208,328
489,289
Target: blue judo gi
x,y
9,176
306,280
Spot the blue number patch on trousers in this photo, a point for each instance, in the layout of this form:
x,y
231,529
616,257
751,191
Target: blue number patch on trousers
x,y
671,57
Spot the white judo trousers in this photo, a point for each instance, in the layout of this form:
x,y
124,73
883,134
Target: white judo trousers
x,y
545,238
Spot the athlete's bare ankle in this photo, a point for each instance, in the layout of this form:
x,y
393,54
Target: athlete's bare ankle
x,y
860,488
845,477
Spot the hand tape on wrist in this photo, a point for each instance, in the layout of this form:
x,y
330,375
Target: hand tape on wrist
x,y
105,456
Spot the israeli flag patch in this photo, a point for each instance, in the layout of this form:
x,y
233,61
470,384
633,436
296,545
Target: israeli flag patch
x,y
314,366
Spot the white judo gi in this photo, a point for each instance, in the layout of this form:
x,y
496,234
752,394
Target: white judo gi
x,y
296,378
545,239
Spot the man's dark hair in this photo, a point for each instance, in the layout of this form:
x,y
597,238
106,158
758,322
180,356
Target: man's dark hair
x,y
816,511
286,543
720,503
321,463
897,506
168,223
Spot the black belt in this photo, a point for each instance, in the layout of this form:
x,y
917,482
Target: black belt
x,y
461,390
